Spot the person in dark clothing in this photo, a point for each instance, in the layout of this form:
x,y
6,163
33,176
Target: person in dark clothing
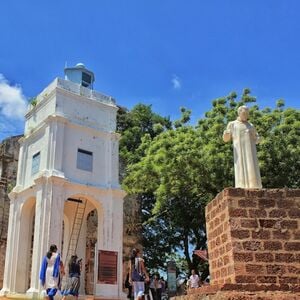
x,y
128,286
73,282
156,287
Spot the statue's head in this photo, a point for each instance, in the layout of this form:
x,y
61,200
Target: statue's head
x,y
243,112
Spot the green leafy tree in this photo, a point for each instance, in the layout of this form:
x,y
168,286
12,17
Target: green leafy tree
x,y
170,172
185,167
133,125
279,149
138,127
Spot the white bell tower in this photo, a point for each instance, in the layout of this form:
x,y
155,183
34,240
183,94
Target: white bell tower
x,y
68,171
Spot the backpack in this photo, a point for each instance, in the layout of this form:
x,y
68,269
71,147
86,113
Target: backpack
x,y
136,273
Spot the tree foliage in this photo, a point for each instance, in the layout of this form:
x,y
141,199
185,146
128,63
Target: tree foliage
x,y
133,125
137,128
178,169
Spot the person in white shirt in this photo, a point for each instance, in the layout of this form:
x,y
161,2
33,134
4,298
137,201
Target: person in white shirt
x,y
194,280
137,271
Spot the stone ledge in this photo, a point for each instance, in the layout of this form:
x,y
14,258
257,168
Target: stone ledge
x,y
236,295
213,289
205,290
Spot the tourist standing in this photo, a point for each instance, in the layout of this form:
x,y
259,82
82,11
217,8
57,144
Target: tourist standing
x,y
137,274
194,280
73,281
50,272
156,287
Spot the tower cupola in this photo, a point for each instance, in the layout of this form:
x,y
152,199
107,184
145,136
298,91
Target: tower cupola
x,y
81,75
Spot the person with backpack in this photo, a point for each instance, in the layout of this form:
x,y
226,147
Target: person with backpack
x,y
73,282
137,274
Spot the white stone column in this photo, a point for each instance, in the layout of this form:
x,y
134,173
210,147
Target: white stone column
x,y
9,255
20,163
112,239
39,247
56,145
115,161
49,152
16,245
107,223
117,203
108,153
48,224
59,146
57,212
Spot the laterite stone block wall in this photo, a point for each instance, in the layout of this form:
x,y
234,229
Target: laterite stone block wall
x,y
254,238
9,152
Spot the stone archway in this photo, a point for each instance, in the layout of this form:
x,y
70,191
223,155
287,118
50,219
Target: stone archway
x,y
87,237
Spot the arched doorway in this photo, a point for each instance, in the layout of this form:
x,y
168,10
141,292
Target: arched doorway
x,y
83,244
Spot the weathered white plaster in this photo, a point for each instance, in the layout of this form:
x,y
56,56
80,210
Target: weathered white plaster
x,y
67,117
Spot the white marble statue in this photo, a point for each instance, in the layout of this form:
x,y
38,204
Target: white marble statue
x,y
244,138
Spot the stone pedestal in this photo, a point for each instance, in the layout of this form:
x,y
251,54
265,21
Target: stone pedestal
x,y
253,245
254,238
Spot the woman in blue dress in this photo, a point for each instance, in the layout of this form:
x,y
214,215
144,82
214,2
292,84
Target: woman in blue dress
x,y
50,272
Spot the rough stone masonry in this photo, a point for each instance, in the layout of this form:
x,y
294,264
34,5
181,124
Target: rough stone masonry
x,y
9,152
253,245
254,238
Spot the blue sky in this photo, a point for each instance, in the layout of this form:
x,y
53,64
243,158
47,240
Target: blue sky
x,y
168,53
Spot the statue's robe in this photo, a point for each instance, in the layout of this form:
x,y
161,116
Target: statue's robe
x,y
246,167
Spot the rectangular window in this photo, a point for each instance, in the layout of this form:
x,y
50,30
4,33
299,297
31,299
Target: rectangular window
x,y
85,160
35,163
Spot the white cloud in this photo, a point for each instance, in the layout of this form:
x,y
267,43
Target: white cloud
x,y
13,103
176,82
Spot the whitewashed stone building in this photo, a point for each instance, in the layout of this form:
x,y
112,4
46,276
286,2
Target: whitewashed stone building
x,y
67,180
